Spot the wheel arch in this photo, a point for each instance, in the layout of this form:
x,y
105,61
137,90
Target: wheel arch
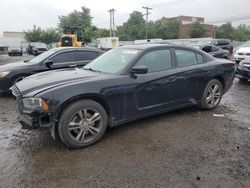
x,y
94,97
221,80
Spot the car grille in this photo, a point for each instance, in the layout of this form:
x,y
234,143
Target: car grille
x,y
15,91
244,54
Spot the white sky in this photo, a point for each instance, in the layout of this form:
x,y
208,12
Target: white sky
x,y
19,15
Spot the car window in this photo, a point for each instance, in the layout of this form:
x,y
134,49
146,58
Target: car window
x,y
156,60
86,55
64,57
215,49
185,58
200,58
207,49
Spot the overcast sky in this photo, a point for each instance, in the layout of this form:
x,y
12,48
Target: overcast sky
x,y
19,15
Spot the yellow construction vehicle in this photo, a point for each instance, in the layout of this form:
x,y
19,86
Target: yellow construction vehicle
x,y
71,37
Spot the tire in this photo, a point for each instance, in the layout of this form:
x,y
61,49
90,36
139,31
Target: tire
x,y
212,96
75,127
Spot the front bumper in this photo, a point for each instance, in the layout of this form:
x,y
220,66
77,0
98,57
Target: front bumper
x,y
239,58
5,84
33,119
242,73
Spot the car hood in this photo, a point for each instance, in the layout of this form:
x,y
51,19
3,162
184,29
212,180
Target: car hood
x,y
243,50
13,66
50,79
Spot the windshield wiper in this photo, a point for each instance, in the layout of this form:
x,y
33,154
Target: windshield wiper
x,y
91,69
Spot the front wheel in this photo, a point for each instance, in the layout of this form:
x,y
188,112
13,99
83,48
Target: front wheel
x,y
212,95
82,123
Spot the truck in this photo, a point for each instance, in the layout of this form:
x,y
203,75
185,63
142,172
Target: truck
x,y
107,43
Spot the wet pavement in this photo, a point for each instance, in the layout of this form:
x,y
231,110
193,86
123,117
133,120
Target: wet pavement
x,y
185,148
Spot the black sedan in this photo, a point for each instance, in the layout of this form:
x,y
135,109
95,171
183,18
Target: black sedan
x,y
56,58
243,70
215,51
122,85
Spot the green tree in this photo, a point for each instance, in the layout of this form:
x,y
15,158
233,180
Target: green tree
x,y
33,35
38,34
80,19
225,31
134,28
76,18
197,30
241,33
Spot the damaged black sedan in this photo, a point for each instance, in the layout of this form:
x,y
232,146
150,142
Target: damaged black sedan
x,y
122,85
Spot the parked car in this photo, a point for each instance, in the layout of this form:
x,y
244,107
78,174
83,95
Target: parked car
x,y
13,50
56,58
36,48
225,44
243,52
243,70
122,85
215,51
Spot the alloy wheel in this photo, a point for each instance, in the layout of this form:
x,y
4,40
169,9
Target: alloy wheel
x,y
85,125
213,95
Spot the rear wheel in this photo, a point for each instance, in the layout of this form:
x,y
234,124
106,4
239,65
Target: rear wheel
x,y
82,123
212,95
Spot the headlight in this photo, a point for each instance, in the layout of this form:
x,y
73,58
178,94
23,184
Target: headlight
x,y
35,104
3,74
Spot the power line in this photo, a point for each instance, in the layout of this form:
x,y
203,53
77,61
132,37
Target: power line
x,y
230,18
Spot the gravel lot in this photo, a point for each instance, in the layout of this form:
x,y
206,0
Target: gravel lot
x,y
185,148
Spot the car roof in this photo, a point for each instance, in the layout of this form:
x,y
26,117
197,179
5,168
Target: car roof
x,y
76,48
151,46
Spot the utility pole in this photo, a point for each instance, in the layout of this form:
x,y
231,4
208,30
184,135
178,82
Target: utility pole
x,y
112,22
146,21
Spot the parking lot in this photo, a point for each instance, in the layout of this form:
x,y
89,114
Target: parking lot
x,y
184,148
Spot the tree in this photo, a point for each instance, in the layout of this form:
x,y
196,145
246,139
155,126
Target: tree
x,y
33,35
80,19
38,34
76,18
241,33
134,28
225,31
197,30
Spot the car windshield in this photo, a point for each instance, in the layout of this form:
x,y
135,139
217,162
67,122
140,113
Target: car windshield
x,y
113,61
247,44
41,57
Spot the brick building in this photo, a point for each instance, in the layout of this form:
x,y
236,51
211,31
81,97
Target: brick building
x,y
185,21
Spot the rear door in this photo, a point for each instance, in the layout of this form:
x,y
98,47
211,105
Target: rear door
x,y
64,60
192,74
84,57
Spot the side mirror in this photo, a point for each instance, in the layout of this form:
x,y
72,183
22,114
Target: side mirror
x,y
139,70
49,63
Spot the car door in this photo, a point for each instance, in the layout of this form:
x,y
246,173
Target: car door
x,y
84,57
155,89
64,59
192,74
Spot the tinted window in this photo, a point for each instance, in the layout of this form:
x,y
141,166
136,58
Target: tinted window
x,y
86,55
200,58
207,49
185,58
156,60
215,49
64,57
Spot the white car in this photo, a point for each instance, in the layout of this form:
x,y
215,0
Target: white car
x,y
243,52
